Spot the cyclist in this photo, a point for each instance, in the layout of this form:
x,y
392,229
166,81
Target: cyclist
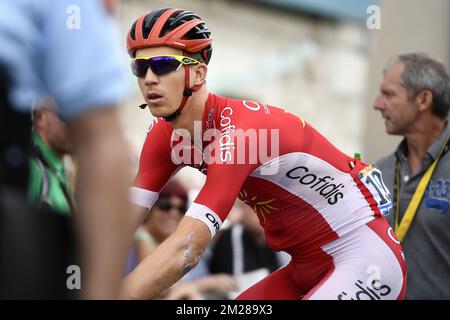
x,y
321,206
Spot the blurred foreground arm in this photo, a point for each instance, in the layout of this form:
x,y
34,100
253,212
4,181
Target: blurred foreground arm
x,y
102,218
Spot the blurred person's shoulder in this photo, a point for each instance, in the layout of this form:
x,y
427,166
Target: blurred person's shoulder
x,y
98,77
386,163
78,38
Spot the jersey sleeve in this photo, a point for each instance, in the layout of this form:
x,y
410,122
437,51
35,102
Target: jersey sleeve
x,y
155,165
219,193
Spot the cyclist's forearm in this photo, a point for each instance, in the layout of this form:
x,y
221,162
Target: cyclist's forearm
x,y
156,273
169,262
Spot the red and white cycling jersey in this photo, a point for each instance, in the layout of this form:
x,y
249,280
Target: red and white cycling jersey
x,y
307,194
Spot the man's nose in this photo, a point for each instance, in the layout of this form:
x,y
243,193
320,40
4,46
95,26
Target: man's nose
x,y
378,103
150,77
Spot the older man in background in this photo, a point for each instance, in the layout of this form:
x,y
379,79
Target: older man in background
x,y
414,101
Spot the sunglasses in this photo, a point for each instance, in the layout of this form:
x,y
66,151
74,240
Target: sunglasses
x,y
159,64
165,205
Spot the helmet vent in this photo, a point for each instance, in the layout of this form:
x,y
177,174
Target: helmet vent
x,y
150,21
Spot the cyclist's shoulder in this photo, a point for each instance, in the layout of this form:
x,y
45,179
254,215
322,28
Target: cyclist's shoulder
x,y
159,126
246,105
158,137
244,112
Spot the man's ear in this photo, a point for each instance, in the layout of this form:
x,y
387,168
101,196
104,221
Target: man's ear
x,y
200,73
424,100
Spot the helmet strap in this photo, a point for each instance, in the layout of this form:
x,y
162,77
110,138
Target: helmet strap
x,y
186,94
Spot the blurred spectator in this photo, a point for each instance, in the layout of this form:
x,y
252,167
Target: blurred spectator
x,y
242,250
49,184
66,49
161,222
414,101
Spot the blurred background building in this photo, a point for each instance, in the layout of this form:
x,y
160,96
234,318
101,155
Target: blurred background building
x,y
319,59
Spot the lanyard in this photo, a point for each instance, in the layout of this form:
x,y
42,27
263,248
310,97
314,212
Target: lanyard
x,y
410,212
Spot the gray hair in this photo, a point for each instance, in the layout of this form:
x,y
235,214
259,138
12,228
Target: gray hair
x,y
422,72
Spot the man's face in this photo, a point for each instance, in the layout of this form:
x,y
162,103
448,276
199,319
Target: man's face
x,y
53,131
163,93
397,110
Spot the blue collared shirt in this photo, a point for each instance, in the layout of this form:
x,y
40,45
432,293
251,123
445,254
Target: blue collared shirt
x,y
67,49
427,243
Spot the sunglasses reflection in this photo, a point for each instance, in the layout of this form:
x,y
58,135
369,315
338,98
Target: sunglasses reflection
x,y
159,64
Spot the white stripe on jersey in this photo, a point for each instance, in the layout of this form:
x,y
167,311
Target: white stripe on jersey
x,y
142,197
333,193
206,215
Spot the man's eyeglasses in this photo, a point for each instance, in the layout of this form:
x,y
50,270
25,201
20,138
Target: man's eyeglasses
x,y
159,64
164,204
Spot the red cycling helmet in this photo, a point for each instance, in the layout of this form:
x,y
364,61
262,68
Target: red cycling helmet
x,y
175,28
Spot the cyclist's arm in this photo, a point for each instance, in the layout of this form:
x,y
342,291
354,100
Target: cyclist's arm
x,y
183,249
169,262
155,169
